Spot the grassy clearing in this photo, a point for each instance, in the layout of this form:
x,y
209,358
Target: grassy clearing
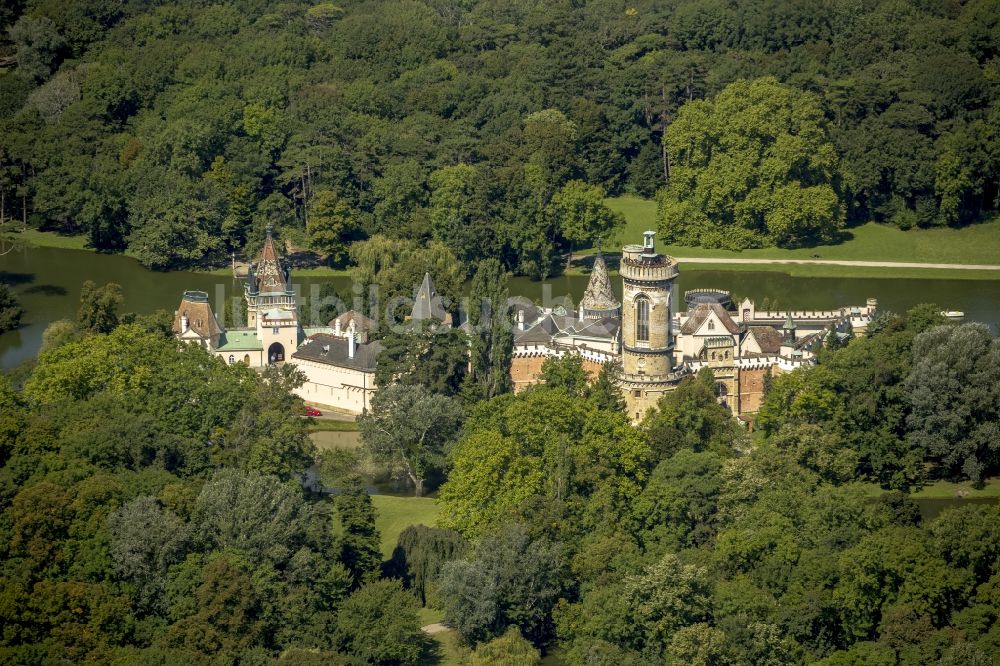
x,y
449,650
49,239
950,490
827,271
333,425
975,244
946,490
394,514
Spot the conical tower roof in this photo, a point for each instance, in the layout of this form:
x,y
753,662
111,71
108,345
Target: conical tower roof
x,y
599,300
268,273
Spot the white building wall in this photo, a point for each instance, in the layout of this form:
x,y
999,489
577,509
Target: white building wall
x,y
344,389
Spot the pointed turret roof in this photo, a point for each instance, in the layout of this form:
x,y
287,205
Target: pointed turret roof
x,y
268,273
599,300
788,330
427,303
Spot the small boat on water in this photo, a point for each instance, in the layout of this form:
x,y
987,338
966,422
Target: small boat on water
x,y
953,314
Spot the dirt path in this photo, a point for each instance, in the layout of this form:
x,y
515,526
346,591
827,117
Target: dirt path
x,y
838,262
435,628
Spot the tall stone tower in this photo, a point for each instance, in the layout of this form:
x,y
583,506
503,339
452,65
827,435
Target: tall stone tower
x,y
272,305
647,341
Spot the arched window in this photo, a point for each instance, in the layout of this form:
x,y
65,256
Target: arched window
x,y
232,359
711,325
642,319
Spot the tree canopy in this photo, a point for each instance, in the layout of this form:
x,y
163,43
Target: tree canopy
x,y
180,131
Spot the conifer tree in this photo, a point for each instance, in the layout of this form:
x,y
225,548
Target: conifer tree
x,y
359,540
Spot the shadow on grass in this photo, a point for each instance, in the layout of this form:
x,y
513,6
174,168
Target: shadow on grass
x,y
432,652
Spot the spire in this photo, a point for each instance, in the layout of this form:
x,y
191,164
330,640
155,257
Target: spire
x,y
269,275
268,253
599,300
426,302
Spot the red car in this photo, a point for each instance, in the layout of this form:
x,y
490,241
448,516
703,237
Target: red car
x,y
312,411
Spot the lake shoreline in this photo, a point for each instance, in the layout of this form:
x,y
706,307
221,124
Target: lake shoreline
x,y
792,265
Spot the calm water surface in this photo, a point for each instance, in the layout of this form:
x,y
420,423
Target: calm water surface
x,y
47,281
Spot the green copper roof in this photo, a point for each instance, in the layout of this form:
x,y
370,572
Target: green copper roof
x,y
239,341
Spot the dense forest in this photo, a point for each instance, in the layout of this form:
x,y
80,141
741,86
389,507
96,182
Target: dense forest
x,y
483,128
154,508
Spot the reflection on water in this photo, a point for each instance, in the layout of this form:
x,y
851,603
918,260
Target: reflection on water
x,y
48,280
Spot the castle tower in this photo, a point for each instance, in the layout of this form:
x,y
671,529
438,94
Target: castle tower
x,y
599,300
272,304
647,341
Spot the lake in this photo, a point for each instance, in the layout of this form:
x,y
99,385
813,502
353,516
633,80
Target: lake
x,y
48,280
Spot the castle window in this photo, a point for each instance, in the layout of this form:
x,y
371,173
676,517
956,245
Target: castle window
x,y
274,329
642,319
637,393
232,359
711,325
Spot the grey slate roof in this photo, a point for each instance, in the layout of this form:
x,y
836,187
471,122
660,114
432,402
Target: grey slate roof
x,y
365,355
427,303
553,325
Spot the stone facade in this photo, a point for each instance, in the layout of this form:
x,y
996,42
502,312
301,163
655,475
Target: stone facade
x,y
751,383
658,346
526,369
647,339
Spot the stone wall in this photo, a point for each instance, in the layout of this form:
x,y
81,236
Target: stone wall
x,y
752,389
526,371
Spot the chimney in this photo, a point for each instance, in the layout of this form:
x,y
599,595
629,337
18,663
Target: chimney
x,y
520,319
352,343
336,327
184,323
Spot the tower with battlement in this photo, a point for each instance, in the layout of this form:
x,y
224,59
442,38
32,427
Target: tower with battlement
x,y
647,339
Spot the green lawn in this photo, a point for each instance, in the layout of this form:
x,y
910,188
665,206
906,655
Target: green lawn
x,y
394,514
946,490
333,425
49,239
950,490
975,244
827,271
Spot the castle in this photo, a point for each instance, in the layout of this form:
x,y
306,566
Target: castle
x,y
338,359
656,344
